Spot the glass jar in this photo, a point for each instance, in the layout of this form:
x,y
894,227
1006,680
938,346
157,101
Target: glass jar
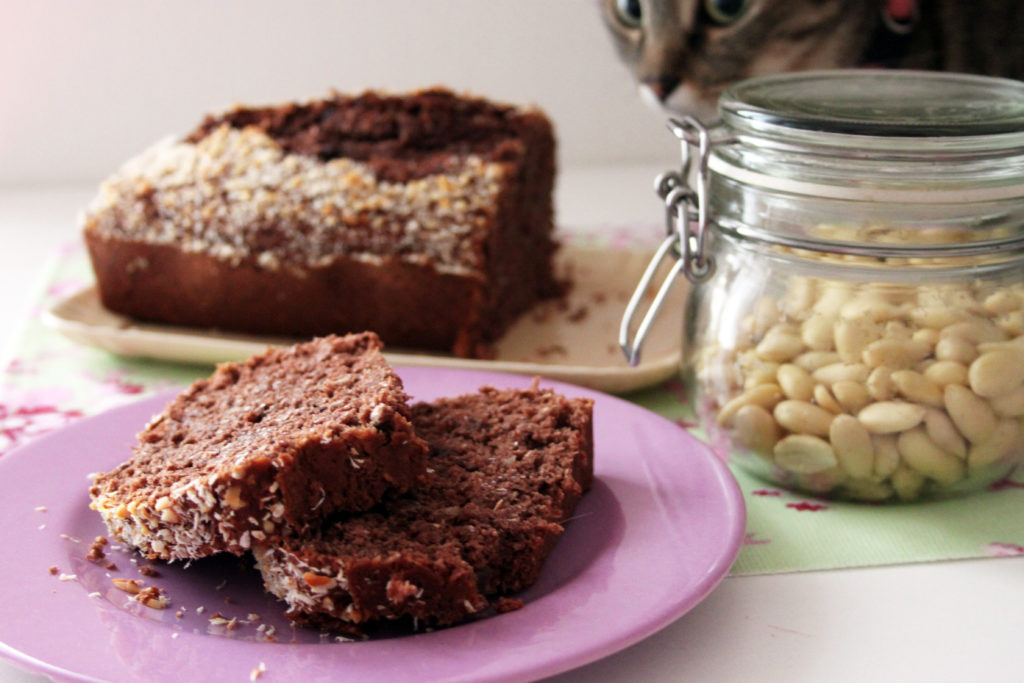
x,y
855,246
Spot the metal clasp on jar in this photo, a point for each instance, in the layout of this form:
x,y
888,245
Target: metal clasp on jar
x,y
686,228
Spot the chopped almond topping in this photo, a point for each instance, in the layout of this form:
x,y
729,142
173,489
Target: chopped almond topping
x,y
133,586
315,580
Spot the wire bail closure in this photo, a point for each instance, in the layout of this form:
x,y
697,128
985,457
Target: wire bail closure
x,y
686,228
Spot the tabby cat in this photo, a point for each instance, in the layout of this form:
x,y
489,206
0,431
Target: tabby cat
x,y
682,53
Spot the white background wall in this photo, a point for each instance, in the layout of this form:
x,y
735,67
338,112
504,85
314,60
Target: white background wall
x,y
84,84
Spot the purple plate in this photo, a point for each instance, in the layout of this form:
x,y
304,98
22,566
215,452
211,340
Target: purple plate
x,y
659,530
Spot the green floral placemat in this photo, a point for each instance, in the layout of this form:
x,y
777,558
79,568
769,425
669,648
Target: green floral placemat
x,y
49,381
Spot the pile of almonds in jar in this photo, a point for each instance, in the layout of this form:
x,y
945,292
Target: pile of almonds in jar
x,y
875,391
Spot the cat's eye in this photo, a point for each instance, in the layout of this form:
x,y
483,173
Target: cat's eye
x,y
628,12
724,12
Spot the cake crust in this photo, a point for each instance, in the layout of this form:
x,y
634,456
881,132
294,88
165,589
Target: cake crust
x,y
507,469
279,441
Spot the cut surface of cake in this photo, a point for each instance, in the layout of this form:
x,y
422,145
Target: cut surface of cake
x,y
280,440
425,217
506,471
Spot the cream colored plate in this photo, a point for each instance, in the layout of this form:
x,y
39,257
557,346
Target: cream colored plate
x,y
573,340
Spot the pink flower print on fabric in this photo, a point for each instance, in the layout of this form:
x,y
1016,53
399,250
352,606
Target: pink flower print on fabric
x,y
118,384
121,385
997,549
71,248
623,238
807,506
1006,484
28,413
63,288
19,424
677,388
720,444
17,366
750,538
35,364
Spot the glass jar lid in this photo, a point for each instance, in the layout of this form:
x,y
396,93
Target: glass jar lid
x,y
886,111
875,135
876,169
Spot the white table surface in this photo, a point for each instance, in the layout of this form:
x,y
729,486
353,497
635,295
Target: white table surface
x,y
951,621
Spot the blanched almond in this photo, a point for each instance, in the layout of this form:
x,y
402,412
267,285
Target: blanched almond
x,y
971,414
796,382
997,373
920,452
1006,437
888,417
802,417
851,442
754,428
804,453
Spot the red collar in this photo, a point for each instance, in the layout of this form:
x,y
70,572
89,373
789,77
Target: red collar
x,y
900,16
891,39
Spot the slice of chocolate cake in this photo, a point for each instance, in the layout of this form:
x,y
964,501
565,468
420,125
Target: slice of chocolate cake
x,y
507,469
283,439
425,217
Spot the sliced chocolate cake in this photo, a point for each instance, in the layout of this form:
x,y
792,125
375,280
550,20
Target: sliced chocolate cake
x,y
506,470
283,439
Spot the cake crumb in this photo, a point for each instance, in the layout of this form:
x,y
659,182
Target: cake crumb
x,y
133,586
220,620
95,552
152,597
68,577
148,570
258,672
577,315
53,570
551,349
40,508
541,314
505,604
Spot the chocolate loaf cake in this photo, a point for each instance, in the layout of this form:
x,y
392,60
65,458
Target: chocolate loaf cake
x,y
507,469
283,439
425,217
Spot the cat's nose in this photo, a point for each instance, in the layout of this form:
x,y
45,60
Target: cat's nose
x,y
662,86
